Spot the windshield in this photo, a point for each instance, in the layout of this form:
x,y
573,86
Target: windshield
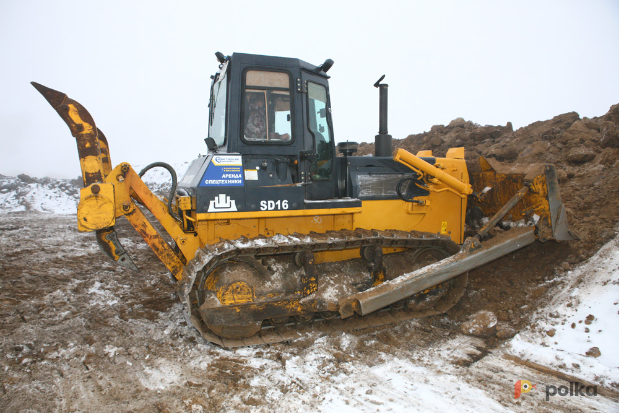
x,y
217,115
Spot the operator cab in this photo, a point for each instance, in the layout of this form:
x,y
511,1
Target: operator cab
x,y
271,142
275,110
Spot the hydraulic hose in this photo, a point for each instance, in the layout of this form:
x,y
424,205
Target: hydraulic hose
x,y
172,189
398,190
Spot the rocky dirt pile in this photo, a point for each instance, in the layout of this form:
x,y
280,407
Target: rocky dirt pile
x,y
585,152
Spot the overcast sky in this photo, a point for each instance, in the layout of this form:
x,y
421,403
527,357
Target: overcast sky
x,y
142,68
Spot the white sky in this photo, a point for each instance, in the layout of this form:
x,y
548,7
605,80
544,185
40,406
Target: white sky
x,y
142,67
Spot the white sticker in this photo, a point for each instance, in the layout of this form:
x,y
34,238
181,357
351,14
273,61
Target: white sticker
x,y
226,160
222,203
251,174
273,205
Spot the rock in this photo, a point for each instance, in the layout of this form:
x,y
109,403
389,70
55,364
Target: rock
x,y
580,154
27,179
593,352
457,122
502,316
9,186
610,135
509,127
551,332
502,151
537,150
552,134
486,133
608,156
504,330
589,319
579,132
481,324
438,129
612,114
591,124
436,141
565,120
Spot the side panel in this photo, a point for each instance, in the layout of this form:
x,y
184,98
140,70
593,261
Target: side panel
x,y
264,211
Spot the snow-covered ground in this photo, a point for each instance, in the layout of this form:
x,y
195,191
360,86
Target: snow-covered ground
x,y
582,315
61,196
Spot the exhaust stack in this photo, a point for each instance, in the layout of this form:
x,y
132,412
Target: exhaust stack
x,y
382,141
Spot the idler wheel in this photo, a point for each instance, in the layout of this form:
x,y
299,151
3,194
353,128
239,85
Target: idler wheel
x,y
232,282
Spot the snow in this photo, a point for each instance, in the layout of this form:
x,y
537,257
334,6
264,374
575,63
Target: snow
x,y
160,377
592,289
61,196
44,195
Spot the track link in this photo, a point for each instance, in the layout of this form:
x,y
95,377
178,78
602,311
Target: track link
x,y
212,255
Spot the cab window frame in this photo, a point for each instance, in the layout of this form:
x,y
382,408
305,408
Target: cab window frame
x,y
226,108
290,90
329,124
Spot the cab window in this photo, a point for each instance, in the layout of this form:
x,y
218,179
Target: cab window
x,y
217,118
266,107
318,125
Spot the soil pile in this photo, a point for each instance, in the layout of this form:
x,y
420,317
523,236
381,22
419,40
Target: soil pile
x,y
584,151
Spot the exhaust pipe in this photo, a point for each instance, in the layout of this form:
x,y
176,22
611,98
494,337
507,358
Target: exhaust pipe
x,y
382,141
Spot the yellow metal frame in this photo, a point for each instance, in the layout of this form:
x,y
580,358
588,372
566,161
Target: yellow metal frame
x,y
442,211
126,183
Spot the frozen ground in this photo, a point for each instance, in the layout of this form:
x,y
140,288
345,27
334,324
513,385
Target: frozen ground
x,y
80,334
60,196
583,314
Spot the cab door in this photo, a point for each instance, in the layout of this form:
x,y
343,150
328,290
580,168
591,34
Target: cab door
x,y
319,154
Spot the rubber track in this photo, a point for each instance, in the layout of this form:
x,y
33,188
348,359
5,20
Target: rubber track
x,y
211,255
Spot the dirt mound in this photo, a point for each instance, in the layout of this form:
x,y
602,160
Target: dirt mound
x,y
585,152
586,155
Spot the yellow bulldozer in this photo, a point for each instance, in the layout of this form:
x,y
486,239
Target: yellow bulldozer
x,y
278,231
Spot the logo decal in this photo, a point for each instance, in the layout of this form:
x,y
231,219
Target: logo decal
x,y
222,203
224,170
523,386
227,160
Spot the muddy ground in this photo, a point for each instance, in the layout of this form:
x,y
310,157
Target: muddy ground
x,y
82,334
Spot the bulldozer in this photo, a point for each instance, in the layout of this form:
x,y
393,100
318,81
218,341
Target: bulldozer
x,y
278,232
